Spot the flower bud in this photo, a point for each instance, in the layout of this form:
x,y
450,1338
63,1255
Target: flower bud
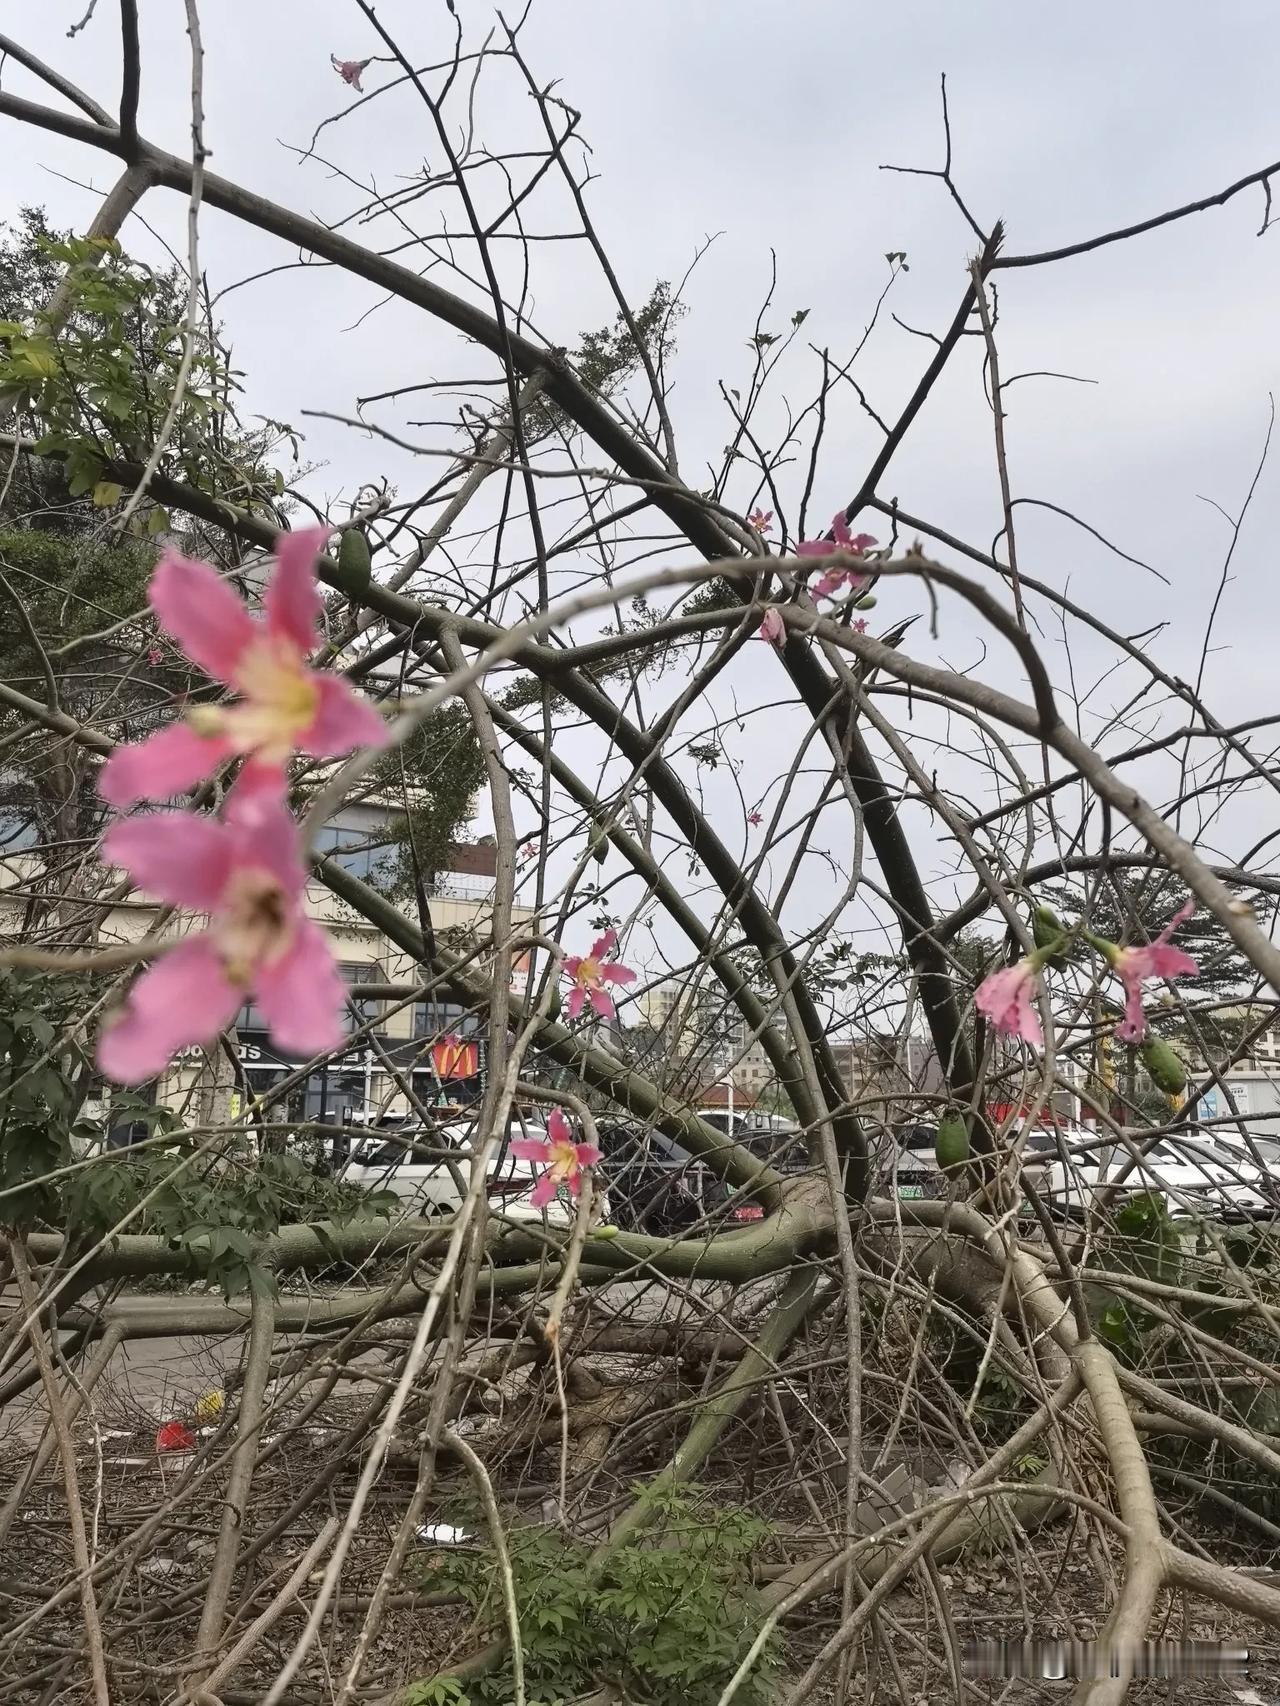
x,y
355,566
1164,1066
952,1143
1048,931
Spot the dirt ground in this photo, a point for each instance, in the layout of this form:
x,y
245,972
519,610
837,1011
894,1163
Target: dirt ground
x,y
150,1611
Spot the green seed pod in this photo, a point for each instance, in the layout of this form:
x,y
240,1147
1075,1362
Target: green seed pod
x,y
1047,930
866,602
554,1005
952,1143
1164,1065
355,566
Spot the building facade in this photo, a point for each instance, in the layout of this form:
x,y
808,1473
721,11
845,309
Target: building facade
x,y
404,1053
709,1039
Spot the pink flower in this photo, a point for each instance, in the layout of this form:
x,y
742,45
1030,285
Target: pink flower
x,y
860,626
841,540
590,974
1135,965
285,706
1007,998
754,819
773,627
154,656
761,520
349,70
246,872
564,1159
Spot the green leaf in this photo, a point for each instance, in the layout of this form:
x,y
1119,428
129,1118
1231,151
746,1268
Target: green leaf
x,y
34,357
106,494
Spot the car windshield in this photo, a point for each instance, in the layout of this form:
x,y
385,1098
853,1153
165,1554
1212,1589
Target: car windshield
x,y
918,1137
1233,1151
1183,1152
630,1148
398,1150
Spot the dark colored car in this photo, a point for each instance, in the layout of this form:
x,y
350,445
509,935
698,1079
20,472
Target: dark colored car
x,y
657,1186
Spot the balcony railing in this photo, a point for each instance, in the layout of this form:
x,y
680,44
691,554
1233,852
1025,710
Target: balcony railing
x,y
452,885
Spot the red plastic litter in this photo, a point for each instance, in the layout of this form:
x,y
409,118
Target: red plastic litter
x,y
175,1436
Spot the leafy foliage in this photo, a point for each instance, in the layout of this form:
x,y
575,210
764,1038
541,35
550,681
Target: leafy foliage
x,y
39,1092
97,386
667,1620
606,358
435,776
218,1210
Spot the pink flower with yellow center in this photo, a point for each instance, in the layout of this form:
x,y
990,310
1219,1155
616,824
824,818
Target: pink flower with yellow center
x,y
563,1158
590,973
284,706
246,872
761,520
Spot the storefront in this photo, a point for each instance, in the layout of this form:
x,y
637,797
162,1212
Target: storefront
x,y
354,1087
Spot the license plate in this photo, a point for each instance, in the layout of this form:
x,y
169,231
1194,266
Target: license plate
x,y
1025,1211
910,1190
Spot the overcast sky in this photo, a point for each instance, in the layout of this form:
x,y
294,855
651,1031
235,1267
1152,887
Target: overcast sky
x,y
765,127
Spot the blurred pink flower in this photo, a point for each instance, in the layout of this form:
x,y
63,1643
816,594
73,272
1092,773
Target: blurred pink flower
x,y
1007,998
564,1159
154,656
246,872
1135,965
285,706
754,819
590,973
860,626
761,520
773,627
349,70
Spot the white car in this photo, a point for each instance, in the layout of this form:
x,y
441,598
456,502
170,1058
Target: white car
x,y
411,1163
1194,1177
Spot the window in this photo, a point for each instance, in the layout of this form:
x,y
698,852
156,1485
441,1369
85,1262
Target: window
x,y
17,831
366,1008
349,845
433,1019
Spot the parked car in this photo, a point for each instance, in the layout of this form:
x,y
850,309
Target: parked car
x,y
1195,1178
911,1167
769,1137
412,1161
657,1186
1260,1156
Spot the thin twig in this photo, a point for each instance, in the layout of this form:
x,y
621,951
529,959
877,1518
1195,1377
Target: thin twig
x,y
67,1451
